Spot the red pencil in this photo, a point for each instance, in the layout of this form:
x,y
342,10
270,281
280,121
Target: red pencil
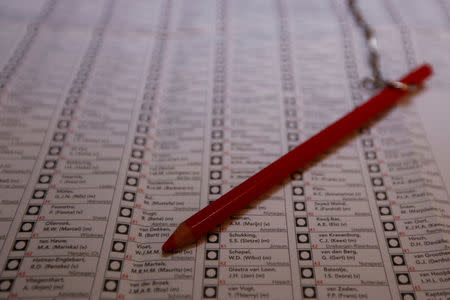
x,y
206,219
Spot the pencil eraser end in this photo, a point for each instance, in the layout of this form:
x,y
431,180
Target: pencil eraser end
x,y
427,70
419,75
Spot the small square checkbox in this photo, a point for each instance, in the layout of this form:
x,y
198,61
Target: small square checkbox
x,y
297,190
217,122
212,254
39,194
309,292
398,260
54,150
403,278
145,118
33,210
212,238
217,134
138,154
122,228
26,227
142,129
374,168
129,196
381,196
210,292
132,181
6,284
370,155
110,285
126,212
292,137
216,160
389,226
210,272
215,174
115,265
134,167
140,141
13,264
307,273
20,245
50,164
291,113
215,189
377,181
63,124
384,210
59,137
301,222
393,242
45,178
216,147
302,238
304,254
291,124
118,246
408,296
299,206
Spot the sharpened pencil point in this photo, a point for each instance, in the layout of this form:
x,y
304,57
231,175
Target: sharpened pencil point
x,y
181,237
169,245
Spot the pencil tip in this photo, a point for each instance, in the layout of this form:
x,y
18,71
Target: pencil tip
x,y
169,245
181,237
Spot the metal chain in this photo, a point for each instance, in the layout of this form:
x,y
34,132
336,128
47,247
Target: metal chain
x,y
376,81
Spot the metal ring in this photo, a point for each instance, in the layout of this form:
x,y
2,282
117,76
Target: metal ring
x,y
402,86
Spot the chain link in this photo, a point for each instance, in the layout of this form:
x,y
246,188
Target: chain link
x,y
376,81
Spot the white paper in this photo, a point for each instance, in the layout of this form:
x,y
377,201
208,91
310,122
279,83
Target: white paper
x,y
120,119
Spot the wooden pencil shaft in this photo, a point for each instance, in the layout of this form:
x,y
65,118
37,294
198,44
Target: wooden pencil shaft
x,y
221,209
258,184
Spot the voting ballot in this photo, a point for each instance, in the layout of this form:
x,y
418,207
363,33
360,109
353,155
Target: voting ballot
x,y
121,119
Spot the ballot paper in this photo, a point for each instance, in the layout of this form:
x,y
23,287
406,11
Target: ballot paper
x,y
120,119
